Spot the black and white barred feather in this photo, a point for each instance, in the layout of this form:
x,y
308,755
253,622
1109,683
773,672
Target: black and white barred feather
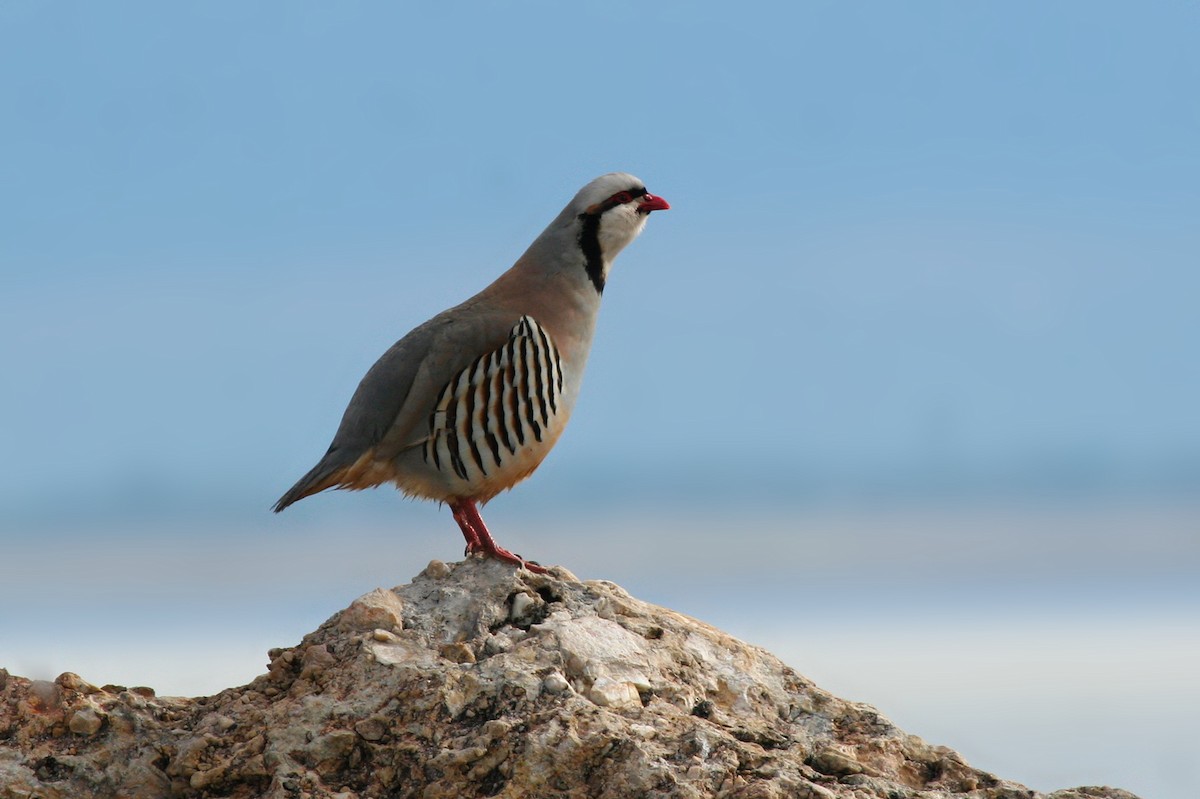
x,y
501,404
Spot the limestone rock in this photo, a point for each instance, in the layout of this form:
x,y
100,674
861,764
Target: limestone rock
x,y
479,680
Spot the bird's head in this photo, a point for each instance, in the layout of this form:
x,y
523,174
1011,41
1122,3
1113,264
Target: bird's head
x,y
611,211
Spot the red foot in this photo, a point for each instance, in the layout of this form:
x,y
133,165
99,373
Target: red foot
x,y
480,540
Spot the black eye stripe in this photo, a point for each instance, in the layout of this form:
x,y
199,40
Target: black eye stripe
x,y
613,201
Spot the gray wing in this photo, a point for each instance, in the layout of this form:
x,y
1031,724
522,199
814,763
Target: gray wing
x,y
387,413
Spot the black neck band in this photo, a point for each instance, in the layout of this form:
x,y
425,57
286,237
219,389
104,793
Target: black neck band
x,y
589,242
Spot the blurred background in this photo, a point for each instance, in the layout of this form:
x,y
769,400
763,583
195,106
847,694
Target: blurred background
x,y
903,388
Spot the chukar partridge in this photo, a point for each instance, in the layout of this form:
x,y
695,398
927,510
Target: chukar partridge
x,y
469,403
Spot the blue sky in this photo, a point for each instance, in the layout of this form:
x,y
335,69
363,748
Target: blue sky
x,y
932,250
902,235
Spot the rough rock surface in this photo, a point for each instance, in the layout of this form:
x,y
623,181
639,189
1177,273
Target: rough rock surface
x,y
479,680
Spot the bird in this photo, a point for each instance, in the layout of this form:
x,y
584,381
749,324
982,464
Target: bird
x,y
469,403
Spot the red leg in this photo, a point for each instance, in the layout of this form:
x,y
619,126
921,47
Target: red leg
x,y
464,524
480,540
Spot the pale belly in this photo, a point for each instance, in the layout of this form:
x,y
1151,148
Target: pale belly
x,y
471,472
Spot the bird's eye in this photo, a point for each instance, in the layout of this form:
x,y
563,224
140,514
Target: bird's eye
x,y
622,197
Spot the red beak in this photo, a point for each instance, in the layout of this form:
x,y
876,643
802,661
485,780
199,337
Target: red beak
x,y
652,203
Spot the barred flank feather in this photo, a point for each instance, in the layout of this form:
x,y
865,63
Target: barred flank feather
x,y
490,409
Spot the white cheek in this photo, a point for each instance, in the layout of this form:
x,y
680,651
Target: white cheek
x,y
619,227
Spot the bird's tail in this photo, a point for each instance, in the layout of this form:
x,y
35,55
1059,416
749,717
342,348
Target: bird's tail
x,y
326,474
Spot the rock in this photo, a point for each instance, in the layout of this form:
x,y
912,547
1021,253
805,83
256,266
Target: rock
x,y
372,728
480,680
379,610
87,720
555,683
